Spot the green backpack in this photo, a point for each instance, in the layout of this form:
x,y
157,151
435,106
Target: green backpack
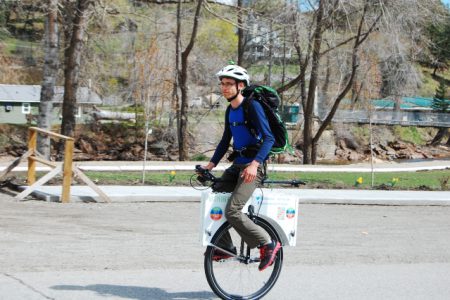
x,y
269,100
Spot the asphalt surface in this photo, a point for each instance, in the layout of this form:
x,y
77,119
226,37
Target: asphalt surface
x,y
145,245
151,250
354,282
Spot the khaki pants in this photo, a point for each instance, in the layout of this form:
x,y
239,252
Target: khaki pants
x,y
231,181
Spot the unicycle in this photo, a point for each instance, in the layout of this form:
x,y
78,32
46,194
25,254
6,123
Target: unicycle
x,y
234,274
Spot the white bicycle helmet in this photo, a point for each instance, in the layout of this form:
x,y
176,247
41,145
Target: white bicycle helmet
x,y
235,72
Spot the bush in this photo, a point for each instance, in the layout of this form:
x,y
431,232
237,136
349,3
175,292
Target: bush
x,y
199,157
409,134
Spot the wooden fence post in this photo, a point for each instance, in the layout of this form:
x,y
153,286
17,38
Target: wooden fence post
x,y
32,141
67,170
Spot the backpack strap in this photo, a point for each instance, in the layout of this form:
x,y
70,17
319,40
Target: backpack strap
x,y
246,107
227,116
227,119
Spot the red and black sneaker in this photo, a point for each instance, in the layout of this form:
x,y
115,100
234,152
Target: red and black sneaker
x,y
268,253
220,255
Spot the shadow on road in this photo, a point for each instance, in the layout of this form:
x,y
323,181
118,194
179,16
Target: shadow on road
x,y
136,292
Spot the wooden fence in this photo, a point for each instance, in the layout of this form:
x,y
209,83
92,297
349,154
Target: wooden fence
x,y
66,167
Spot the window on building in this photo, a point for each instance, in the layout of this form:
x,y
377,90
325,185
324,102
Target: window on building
x,y
8,107
26,108
78,114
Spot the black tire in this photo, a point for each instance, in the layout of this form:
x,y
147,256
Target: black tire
x,y
239,277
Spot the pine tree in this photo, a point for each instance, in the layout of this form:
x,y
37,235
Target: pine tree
x,y
439,102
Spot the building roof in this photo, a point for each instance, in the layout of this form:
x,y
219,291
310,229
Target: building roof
x,y
407,103
32,93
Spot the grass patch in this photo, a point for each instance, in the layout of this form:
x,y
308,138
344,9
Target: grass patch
x,y
406,180
135,178
436,180
409,134
423,180
429,84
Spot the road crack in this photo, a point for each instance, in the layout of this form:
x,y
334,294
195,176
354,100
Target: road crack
x,y
28,286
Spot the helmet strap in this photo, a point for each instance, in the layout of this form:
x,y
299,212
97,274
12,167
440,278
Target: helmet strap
x,y
232,98
237,94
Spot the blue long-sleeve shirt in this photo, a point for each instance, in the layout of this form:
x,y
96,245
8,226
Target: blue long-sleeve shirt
x,y
242,137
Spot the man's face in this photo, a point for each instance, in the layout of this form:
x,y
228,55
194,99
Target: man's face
x,y
229,88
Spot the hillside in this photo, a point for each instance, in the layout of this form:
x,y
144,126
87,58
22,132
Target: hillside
x,y
129,40
112,38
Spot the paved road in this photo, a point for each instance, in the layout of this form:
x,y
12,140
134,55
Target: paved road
x,y
151,250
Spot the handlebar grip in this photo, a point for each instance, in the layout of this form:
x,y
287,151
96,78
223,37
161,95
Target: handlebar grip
x,y
199,169
204,174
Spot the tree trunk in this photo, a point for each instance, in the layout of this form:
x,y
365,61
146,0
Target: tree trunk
x,y
51,63
183,123
313,153
440,135
396,109
326,82
308,123
72,59
183,130
240,59
269,76
283,74
359,39
175,112
355,95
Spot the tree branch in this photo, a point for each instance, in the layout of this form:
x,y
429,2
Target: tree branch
x,y
348,86
189,47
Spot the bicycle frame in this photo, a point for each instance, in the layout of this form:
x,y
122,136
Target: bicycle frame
x,y
280,210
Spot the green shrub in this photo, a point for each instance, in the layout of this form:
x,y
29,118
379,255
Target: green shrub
x,y
199,157
409,134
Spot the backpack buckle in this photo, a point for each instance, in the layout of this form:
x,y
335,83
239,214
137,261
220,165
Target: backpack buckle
x,y
237,153
241,151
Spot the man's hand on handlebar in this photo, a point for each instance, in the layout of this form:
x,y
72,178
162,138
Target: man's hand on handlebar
x,y
209,166
203,173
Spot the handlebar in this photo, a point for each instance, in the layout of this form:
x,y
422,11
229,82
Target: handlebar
x,y
293,182
205,176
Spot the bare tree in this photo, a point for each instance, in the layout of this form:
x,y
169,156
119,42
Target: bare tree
x,y
340,28
399,79
72,60
183,80
175,92
51,63
152,87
